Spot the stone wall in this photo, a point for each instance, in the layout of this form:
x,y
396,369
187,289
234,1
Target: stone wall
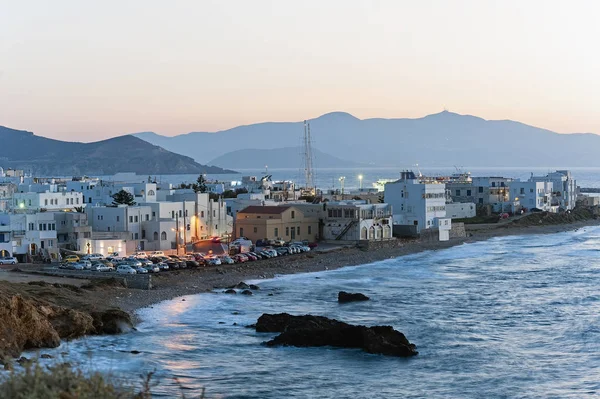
x,y
458,230
380,244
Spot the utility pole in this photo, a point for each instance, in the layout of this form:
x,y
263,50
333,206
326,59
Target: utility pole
x,y
184,231
177,232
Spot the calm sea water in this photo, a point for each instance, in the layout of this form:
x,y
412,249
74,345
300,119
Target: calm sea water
x,y
329,178
512,317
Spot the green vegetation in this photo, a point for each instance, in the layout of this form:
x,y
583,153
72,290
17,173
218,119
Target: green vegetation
x,y
123,198
61,381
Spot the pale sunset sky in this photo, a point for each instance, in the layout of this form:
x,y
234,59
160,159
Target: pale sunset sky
x,y
89,70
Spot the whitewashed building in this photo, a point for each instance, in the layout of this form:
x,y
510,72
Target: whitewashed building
x,y
533,194
564,188
50,201
356,220
416,201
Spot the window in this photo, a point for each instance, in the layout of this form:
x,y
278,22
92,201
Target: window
x,y
298,230
143,234
457,192
276,232
130,219
40,227
45,202
153,215
136,219
256,230
481,200
214,213
201,214
77,201
241,231
216,227
31,226
480,189
468,193
155,236
309,229
151,192
180,213
172,214
293,214
147,217
493,184
163,236
186,213
118,218
90,200
108,228
287,231
136,236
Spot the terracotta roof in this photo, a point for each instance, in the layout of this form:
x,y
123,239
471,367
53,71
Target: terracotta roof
x,y
270,209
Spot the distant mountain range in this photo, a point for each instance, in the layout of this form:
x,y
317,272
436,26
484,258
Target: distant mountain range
x,y
288,157
442,139
47,157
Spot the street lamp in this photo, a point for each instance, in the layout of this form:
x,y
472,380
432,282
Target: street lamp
x,y
360,179
342,183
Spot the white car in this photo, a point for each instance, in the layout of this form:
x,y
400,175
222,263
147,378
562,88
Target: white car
x,y
156,253
93,257
125,269
87,265
100,267
8,260
140,255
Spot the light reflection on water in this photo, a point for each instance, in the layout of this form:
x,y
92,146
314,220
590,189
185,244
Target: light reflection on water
x,y
509,317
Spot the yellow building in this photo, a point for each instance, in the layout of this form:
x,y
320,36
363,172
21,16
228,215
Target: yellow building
x,y
286,223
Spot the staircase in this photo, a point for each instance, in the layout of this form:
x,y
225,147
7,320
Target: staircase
x,y
346,229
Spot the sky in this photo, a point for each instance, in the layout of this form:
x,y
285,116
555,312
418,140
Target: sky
x,y
89,70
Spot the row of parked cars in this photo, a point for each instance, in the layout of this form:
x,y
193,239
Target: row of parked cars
x,y
155,262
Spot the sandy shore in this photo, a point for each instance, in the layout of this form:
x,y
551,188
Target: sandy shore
x,y
187,282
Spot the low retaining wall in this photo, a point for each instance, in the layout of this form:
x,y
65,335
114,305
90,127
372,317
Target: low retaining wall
x,y
135,281
458,230
380,244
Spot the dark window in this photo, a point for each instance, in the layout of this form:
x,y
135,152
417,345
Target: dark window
x,y
480,189
468,193
457,192
309,229
293,214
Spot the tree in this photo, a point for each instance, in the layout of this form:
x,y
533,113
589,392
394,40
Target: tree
x,y
123,198
200,185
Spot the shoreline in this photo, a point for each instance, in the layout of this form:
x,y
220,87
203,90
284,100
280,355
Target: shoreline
x,y
205,280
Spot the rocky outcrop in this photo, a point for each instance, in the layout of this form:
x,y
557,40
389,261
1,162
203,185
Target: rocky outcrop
x,y
29,323
344,297
308,330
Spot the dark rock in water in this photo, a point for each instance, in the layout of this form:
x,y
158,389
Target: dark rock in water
x,y
135,352
112,321
221,322
254,287
235,313
242,286
46,356
235,324
246,292
23,361
183,300
230,291
308,330
270,294
344,297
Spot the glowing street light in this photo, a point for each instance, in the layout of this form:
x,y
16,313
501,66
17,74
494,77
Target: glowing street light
x,y
360,179
342,183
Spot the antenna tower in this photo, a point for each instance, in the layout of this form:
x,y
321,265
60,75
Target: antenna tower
x,y
309,179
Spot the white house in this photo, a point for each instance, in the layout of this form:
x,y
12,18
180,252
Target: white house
x,y
564,188
51,201
460,210
416,201
533,194
33,235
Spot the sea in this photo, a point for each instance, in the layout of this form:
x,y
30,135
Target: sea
x,y
329,178
510,317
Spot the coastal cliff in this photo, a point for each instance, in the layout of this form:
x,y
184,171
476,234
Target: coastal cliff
x,y
28,322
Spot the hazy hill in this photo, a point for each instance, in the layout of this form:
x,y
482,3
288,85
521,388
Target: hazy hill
x,y
288,157
47,157
442,139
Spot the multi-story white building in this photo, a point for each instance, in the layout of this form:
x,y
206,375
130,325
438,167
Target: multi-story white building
x,y
97,192
32,235
564,188
416,201
532,194
50,201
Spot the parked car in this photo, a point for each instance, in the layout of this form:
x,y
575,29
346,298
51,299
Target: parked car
x,y
162,266
146,262
71,259
75,266
227,260
152,268
139,269
180,261
140,255
87,265
107,263
156,253
283,251
250,257
239,258
133,262
265,254
213,261
101,267
8,260
93,257
125,269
